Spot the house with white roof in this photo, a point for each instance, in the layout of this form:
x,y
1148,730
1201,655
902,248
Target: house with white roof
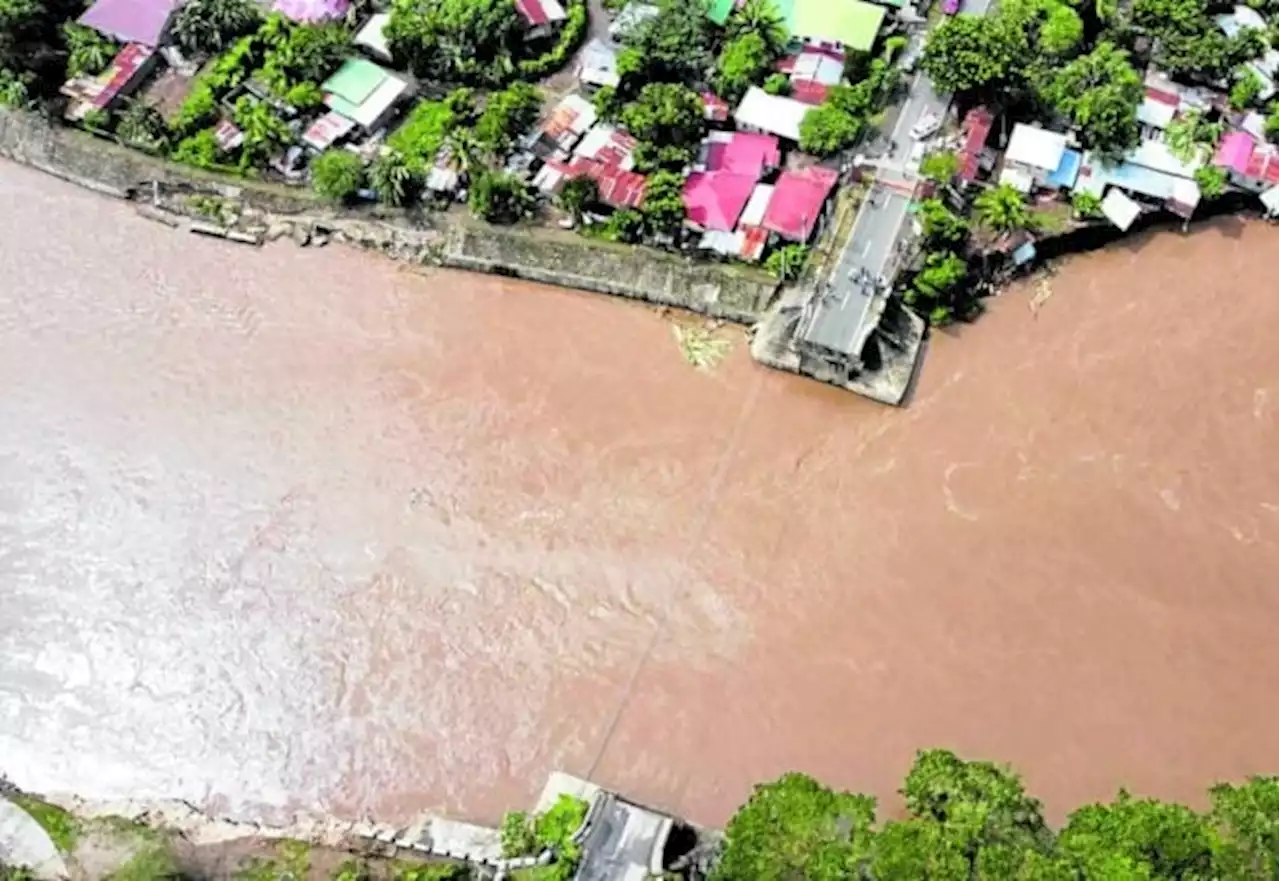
x,y
372,36
773,114
1038,157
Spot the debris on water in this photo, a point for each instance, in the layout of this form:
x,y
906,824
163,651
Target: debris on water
x,y
700,346
1044,290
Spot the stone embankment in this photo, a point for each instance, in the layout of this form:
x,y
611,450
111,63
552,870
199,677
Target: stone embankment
x,y
252,211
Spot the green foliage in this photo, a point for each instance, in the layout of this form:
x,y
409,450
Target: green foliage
x,y
63,829
300,53
499,197
828,129
777,84
293,864
517,835
570,38
199,150
742,62
97,119
971,52
795,827
507,114
1086,204
1062,30
422,134
14,89
336,174
762,18
1189,43
1273,123
675,46
916,850
88,52
576,194
393,176
198,110
304,96
663,207
471,41
1002,208
431,872
264,132
233,66
1100,92
625,226
1244,819
941,225
667,120
142,126
1192,135
152,861
1212,181
1168,840
940,167
1246,89
555,828
786,263
209,26
351,870
17,873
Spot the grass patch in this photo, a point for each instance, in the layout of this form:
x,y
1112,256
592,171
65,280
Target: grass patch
x,y
1053,218
292,864
431,872
63,829
152,862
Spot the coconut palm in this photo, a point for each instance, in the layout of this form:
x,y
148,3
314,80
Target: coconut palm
x,y
391,175
759,17
1191,134
1003,208
264,132
209,26
88,52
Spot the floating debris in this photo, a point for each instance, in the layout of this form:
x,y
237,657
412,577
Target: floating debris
x,y
700,346
1044,290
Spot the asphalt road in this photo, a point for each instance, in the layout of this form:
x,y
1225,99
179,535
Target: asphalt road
x,y
881,217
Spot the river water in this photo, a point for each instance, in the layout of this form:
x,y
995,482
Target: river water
x,y
305,530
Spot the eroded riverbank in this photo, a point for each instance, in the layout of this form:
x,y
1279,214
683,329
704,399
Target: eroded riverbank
x,y
296,529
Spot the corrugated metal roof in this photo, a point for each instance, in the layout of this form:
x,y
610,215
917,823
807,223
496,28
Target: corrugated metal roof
x,y
798,201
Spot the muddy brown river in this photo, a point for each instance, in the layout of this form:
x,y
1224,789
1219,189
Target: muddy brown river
x,y
304,530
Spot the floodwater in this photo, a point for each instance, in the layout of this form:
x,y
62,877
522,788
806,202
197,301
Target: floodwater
x,y
304,530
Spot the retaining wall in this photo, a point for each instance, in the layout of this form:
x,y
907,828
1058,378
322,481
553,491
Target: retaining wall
x,y
538,254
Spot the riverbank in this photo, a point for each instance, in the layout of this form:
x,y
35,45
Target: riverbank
x,y
450,238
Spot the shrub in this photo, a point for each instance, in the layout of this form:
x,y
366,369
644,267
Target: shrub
x,y
199,110
1212,181
391,175
786,262
778,84
88,52
337,174
1086,204
499,197
507,114
940,167
419,138
14,89
625,226
199,150
517,835
141,126
208,26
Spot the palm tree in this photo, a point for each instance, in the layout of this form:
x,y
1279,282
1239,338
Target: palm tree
x,y
1002,208
760,17
577,194
263,131
462,145
1188,135
391,176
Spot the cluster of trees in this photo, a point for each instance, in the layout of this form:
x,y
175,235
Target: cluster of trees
x,y
1036,51
847,110
975,820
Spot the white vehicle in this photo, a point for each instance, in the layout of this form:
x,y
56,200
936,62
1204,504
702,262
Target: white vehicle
x,y
926,126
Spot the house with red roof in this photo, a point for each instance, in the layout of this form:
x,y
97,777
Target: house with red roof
x,y
616,187
714,200
541,17
1250,165
104,91
800,203
976,127
748,153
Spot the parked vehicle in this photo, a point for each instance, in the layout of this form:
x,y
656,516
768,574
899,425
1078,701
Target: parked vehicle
x,y
926,126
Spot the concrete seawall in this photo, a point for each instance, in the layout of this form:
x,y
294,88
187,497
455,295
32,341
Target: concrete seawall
x,y
538,254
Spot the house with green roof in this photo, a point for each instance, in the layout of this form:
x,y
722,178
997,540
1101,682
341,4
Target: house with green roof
x,y
365,93
853,23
